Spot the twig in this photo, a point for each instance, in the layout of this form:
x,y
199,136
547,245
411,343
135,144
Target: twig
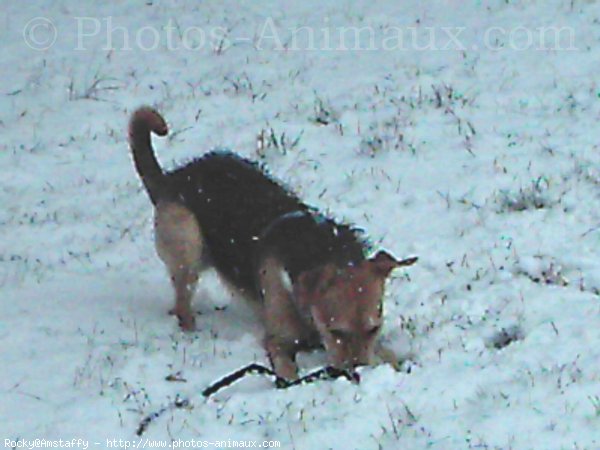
x,y
326,373
178,403
250,369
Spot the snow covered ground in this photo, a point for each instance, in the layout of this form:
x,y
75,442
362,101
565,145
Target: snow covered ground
x,y
472,143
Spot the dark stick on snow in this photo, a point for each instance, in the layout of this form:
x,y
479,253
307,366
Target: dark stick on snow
x,y
326,373
250,369
178,403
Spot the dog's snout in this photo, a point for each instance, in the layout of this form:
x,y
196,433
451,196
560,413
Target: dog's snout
x,y
352,363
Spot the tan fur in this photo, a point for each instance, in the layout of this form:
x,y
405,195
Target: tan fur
x,y
287,330
386,355
340,308
337,304
179,244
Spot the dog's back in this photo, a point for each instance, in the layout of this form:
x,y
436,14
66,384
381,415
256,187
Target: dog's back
x,y
303,240
233,202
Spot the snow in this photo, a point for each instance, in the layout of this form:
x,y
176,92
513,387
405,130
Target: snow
x,y
482,161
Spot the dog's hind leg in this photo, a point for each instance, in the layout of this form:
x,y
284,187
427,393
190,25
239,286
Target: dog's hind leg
x,y
179,244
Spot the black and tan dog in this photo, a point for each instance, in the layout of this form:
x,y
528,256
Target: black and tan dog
x,y
315,282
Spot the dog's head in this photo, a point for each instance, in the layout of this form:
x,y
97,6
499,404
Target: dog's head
x,y
346,305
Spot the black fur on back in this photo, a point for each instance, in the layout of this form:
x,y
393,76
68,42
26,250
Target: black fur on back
x,y
244,213
305,239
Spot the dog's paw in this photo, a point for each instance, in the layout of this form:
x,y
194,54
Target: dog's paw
x,y
187,322
385,355
284,366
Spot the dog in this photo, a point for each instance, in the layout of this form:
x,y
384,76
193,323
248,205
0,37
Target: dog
x,y
310,274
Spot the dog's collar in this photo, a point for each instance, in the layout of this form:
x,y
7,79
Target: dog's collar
x,y
296,214
292,215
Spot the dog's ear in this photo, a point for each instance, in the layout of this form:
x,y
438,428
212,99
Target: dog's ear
x,y
383,263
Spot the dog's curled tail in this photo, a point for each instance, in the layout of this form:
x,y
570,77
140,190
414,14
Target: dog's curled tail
x,y
143,121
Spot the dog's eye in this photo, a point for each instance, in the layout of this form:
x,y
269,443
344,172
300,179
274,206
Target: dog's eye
x,y
339,334
374,330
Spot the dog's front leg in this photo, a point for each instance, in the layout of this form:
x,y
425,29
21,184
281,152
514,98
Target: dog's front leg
x,y
285,329
282,358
